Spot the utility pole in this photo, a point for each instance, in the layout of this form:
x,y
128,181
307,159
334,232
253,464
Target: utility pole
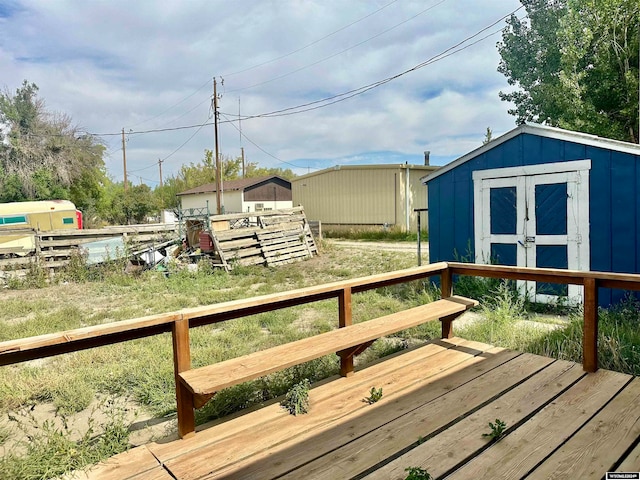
x,y
242,153
124,160
218,168
161,193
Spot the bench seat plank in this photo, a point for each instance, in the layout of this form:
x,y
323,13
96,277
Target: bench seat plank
x,y
205,381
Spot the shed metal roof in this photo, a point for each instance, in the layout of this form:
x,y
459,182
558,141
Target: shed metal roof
x,y
230,185
541,131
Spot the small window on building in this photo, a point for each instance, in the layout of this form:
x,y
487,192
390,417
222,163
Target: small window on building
x,y
268,209
259,207
67,221
13,220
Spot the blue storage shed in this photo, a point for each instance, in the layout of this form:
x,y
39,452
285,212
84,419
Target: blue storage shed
x,y
543,197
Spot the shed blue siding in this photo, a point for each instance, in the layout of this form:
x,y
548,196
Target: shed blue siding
x,y
614,201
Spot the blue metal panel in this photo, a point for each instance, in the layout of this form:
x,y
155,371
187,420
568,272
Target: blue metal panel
x,y
508,154
504,214
504,254
532,149
552,150
551,209
434,201
447,220
463,187
551,256
623,214
574,151
600,213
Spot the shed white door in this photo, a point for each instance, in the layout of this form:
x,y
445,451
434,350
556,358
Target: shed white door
x,y
536,216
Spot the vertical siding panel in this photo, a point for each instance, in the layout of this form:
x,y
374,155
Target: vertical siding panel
x,y
433,190
636,162
551,150
574,151
600,210
447,218
463,226
509,154
532,149
623,215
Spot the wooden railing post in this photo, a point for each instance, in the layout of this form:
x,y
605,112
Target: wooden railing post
x,y
446,290
590,328
181,363
344,320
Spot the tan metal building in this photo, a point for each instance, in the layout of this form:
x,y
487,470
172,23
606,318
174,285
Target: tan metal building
x,y
364,195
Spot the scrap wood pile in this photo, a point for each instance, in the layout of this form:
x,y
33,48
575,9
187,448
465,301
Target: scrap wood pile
x,y
272,238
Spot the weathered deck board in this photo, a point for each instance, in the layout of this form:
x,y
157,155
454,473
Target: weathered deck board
x,y
428,419
304,448
330,404
511,457
137,464
219,431
548,429
437,402
596,447
631,462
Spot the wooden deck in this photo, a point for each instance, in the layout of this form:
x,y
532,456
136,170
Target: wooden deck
x,y
437,402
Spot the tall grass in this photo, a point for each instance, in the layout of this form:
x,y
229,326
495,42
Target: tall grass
x,y
53,448
393,234
618,338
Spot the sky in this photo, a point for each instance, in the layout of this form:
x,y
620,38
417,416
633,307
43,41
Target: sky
x,y
148,67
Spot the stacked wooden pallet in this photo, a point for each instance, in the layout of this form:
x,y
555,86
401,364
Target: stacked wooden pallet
x,y
278,238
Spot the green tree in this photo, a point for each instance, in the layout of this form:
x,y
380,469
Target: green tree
x,y
42,154
576,65
130,207
253,170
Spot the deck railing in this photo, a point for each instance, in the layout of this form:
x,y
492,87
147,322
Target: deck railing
x,y
179,323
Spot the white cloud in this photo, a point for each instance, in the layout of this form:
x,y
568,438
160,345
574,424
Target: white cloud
x,y
146,65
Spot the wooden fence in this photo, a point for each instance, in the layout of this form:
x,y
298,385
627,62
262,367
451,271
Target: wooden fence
x,y
54,249
16,351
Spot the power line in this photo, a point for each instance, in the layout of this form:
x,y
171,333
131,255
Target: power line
x,y
338,53
358,91
175,151
173,106
310,44
349,94
260,148
259,65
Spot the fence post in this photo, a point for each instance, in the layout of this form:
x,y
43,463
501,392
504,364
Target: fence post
x,y
344,320
181,363
590,327
446,290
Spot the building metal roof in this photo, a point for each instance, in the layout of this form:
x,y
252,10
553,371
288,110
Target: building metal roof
x,y
368,167
231,185
541,131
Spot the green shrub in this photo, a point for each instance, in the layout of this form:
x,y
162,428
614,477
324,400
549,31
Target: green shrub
x,y
296,402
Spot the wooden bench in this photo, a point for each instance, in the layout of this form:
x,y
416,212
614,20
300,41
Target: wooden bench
x,y
198,385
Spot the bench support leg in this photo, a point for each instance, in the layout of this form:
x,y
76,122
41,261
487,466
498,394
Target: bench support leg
x,y
344,320
447,325
347,356
590,329
182,362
